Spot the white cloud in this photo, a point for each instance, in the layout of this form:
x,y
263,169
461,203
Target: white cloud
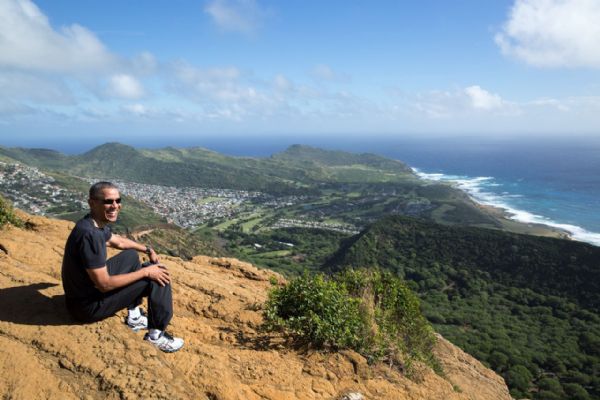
x,y
144,63
553,33
225,92
23,86
228,93
438,104
12,109
212,84
28,41
125,86
137,109
282,84
242,16
324,73
41,64
552,103
463,102
482,99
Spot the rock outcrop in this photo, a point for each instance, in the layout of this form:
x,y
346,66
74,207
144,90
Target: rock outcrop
x,y
46,354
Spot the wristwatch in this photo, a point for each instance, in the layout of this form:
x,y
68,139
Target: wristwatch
x,y
148,249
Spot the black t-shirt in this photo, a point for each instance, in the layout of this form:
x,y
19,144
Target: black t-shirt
x,y
85,248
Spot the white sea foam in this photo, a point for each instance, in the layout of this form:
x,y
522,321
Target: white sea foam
x,y
475,187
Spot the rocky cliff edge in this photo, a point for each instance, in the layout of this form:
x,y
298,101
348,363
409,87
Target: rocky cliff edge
x,y
46,354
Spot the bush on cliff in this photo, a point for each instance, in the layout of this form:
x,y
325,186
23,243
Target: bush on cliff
x,y
7,215
371,312
317,311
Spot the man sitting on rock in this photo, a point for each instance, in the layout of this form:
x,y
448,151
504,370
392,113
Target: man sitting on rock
x,y
96,288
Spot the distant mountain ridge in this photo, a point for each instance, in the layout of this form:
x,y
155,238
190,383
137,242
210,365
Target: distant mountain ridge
x,y
315,155
353,188
201,167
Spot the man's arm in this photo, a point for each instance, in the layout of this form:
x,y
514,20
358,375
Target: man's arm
x,y
123,243
105,282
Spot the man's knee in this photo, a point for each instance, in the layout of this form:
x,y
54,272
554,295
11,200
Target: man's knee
x,y
157,286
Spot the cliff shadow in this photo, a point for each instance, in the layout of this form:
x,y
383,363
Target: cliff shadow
x,y
26,305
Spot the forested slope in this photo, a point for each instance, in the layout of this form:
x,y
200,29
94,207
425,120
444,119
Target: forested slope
x,y
528,306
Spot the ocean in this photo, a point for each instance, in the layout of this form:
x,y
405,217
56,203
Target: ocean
x,y
549,180
554,182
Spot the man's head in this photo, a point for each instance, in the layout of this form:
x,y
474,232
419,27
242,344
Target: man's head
x,y
105,202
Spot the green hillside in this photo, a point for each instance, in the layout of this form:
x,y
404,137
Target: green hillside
x,y
289,171
356,189
194,167
339,166
527,306
41,158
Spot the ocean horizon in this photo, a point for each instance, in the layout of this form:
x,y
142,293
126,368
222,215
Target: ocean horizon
x,y
555,182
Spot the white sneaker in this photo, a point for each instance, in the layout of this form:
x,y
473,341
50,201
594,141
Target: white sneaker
x,y
137,324
165,342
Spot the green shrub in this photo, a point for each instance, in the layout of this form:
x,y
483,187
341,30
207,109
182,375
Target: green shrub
x,y
399,333
372,312
576,392
550,385
7,214
317,311
518,378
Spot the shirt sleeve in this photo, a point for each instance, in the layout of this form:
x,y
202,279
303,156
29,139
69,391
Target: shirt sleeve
x,y
107,233
93,250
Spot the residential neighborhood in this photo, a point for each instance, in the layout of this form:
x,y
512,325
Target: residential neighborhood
x,y
35,192
189,206
298,223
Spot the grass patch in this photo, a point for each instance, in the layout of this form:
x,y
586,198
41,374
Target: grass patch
x,y
248,225
224,225
209,199
7,215
274,254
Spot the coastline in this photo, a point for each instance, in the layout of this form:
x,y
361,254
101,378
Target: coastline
x,y
510,224
510,219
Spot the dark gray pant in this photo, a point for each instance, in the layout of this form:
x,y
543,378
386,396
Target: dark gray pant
x,y
160,299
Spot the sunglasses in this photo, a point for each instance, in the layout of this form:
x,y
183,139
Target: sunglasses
x,y
110,201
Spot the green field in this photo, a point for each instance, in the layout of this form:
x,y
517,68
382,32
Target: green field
x,y
209,199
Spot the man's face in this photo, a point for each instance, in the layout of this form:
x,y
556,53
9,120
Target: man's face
x,y
104,208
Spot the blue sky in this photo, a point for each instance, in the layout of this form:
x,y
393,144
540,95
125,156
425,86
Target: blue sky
x,y
135,70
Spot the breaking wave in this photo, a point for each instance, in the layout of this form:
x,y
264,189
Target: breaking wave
x,y
478,189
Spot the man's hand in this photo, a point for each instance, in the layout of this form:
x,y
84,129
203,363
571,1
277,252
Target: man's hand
x,y
153,256
158,273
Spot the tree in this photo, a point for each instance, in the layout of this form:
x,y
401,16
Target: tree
x,y
519,377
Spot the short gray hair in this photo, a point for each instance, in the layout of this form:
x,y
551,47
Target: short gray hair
x,y
97,188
